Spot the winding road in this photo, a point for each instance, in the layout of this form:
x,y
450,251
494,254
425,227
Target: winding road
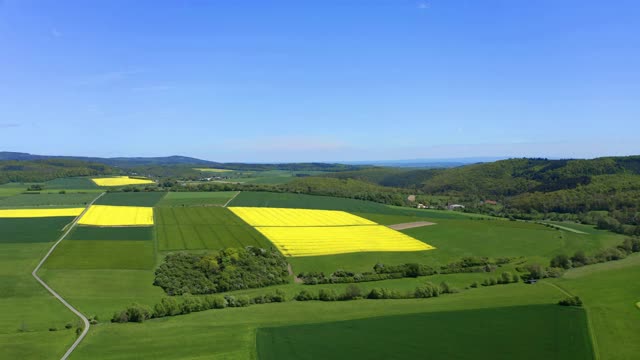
x,y
34,273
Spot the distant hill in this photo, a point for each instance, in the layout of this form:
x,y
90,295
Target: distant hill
x,y
116,161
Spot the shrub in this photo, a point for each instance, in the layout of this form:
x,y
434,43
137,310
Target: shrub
x,y
327,295
427,290
352,292
68,326
560,261
570,301
133,313
304,295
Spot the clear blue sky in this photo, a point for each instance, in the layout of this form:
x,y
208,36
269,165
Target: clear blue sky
x,y
320,80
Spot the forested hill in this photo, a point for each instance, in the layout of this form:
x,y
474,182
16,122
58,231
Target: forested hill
x,y
501,178
44,170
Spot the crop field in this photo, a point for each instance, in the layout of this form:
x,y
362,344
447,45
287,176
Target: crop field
x,y
105,215
442,335
195,228
301,201
83,183
197,198
213,170
131,198
330,240
120,181
37,213
111,233
24,332
47,200
102,254
262,216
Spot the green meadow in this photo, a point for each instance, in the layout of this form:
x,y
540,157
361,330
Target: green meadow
x,y
131,198
47,200
197,198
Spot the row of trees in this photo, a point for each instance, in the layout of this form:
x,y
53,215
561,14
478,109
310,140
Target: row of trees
x,y
579,258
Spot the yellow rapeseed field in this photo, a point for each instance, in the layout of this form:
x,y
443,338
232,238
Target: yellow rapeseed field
x,y
104,215
120,181
36,213
304,232
311,241
262,216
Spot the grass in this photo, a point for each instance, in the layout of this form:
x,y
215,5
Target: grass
x,y
507,333
71,183
102,254
28,309
196,228
197,198
131,198
456,238
111,233
609,292
288,200
47,200
190,336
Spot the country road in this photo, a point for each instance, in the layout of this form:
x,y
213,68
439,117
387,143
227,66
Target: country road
x,y
34,273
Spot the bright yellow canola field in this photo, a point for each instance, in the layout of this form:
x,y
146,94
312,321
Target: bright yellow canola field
x,y
256,216
311,241
120,181
36,213
104,215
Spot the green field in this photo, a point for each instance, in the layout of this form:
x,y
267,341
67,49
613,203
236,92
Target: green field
x,y
102,254
197,198
47,200
111,233
288,200
28,309
193,228
610,291
71,183
131,198
506,333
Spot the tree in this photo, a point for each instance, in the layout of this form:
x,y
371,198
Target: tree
x,y
427,290
352,292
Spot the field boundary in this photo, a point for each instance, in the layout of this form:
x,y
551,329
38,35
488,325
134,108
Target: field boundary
x,y
230,200
34,273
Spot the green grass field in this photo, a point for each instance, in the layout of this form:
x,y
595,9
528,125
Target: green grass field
x,y
47,200
102,254
500,333
71,183
196,228
197,198
28,309
111,233
131,198
610,291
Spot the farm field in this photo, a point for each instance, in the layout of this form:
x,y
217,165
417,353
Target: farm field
x,y
194,228
102,254
24,333
609,291
38,213
83,183
120,181
262,216
111,233
107,215
197,198
442,335
47,200
148,199
235,328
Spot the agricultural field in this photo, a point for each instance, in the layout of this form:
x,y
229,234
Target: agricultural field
x,y
106,215
266,177
103,254
28,309
121,181
297,217
194,228
218,198
148,199
47,200
437,334
37,213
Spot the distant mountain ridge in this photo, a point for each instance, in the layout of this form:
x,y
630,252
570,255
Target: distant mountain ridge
x,y
115,161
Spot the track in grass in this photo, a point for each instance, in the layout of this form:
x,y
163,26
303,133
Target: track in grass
x,y
195,228
523,332
131,198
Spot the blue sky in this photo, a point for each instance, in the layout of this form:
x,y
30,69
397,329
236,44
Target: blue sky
x,y
320,80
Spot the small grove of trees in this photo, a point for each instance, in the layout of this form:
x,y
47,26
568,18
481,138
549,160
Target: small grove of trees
x,y
353,292
169,306
504,278
570,301
230,269
579,258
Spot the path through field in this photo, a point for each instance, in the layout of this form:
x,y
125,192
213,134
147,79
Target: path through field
x,y
34,273
410,225
230,200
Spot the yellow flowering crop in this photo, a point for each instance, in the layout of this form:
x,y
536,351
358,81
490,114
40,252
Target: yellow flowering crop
x,y
262,216
104,215
212,170
304,232
312,241
120,181
36,213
